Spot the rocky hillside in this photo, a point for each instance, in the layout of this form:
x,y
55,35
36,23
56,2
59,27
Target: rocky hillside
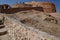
x,y
47,22
33,25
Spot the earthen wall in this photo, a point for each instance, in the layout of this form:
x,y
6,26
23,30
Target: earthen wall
x,y
39,6
48,7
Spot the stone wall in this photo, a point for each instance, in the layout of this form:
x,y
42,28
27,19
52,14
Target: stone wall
x,y
15,10
19,31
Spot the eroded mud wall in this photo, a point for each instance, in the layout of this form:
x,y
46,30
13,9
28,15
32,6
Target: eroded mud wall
x,y
15,10
47,7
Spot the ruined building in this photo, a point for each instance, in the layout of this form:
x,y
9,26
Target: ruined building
x,y
31,21
4,7
39,6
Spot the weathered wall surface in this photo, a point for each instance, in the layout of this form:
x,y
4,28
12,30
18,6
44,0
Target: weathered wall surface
x,y
40,6
47,7
19,31
20,5
15,10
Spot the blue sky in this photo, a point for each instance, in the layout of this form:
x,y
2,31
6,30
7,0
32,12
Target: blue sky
x,y
10,2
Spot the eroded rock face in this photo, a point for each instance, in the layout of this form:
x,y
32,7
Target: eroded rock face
x,y
30,25
19,31
29,21
47,7
46,24
49,23
3,29
51,19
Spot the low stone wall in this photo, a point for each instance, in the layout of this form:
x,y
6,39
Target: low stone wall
x,y
19,31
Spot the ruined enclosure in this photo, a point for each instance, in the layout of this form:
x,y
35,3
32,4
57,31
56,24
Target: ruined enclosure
x,y
29,21
15,10
4,6
39,6
47,7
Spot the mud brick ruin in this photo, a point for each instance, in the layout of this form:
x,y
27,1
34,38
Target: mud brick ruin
x,y
29,21
39,6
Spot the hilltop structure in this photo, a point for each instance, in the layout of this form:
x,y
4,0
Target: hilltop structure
x,y
30,21
39,6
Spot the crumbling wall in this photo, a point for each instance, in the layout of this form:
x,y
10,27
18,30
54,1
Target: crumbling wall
x,y
15,10
39,6
47,7
19,31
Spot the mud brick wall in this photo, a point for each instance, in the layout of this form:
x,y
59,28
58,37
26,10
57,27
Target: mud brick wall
x,y
39,6
15,10
47,7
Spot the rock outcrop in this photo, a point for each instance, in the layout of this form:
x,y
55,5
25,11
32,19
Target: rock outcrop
x,y
19,31
31,25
